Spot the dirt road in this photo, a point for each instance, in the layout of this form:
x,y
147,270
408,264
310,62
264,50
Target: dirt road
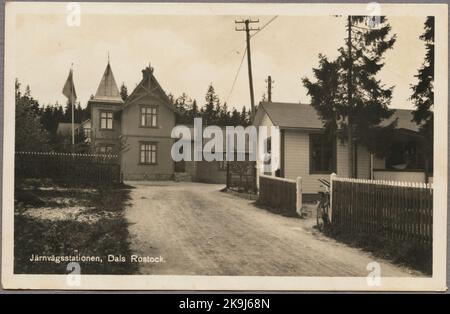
x,y
199,230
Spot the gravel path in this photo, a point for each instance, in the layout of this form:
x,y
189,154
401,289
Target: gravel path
x,y
199,230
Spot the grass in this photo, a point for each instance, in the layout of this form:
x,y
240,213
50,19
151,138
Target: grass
x,y
244,195
400,253
46,237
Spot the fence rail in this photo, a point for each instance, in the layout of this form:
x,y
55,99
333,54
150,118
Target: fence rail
x,y
398,211
75,168
279,194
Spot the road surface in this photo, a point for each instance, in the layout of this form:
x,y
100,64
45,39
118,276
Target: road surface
x,y
199,230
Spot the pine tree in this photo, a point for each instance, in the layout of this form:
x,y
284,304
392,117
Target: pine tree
x,y
79,113
123,91
30,135
235,118
194,113
28,91
26,99
244,116
49,119
347,95
182,106
17,88
171,98
423,94
208,112
224,118
217,114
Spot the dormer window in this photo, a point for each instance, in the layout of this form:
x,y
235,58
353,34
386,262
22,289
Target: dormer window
x,y
149,116
106,120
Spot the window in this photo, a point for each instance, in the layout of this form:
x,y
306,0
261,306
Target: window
x,y
148,153
149,116
105,149
405,155
87,133
321,154
267,158
106,120
268,145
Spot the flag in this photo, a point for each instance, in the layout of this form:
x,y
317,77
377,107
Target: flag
x,y
69,92
69,89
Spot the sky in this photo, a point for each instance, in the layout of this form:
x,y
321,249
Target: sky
x,y
190,52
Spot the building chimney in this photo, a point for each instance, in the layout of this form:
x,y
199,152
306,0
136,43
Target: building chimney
x,y
146,75
147,72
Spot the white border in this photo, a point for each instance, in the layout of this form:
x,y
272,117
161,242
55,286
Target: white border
x,y
148,282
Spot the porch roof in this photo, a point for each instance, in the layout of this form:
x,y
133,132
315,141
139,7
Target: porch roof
x,y
304,116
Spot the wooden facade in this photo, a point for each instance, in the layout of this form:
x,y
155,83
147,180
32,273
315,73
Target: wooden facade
x,y
146,117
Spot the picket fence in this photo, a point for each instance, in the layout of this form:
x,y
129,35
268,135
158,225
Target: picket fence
x,y
400,211
71,168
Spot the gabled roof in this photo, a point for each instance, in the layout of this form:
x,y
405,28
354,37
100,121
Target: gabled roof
x,y
304,116
66,128
291,115
149,85
87,121
404,120
107,90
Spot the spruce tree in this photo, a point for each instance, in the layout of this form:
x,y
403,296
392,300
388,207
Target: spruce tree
x,y
123,91
209,110
30,135
194,113
423,95
346,93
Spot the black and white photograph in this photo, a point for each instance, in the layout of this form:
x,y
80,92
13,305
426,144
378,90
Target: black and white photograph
x,y
225,146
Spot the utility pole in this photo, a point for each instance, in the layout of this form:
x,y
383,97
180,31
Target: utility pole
x,y
269,88
351,170
247,31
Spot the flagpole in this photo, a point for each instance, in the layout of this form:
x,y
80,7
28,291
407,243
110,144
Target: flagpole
x,y
73,125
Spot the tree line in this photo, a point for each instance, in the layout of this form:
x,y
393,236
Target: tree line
x,y
213,112
37,126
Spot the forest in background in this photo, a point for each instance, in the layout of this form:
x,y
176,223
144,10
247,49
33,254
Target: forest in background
x,y
37,124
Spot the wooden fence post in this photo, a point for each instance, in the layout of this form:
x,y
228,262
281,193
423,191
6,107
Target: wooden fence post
x,y
228,174
299,196
330,211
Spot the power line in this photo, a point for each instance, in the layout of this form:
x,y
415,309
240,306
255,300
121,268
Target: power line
x,y
236,75
245,52
265,25
247,29
235,50
257,31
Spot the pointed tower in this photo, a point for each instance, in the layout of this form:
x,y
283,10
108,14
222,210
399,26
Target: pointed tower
x,y
105,107
107,90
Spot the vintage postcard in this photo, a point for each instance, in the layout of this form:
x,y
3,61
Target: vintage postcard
x,y
225,146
